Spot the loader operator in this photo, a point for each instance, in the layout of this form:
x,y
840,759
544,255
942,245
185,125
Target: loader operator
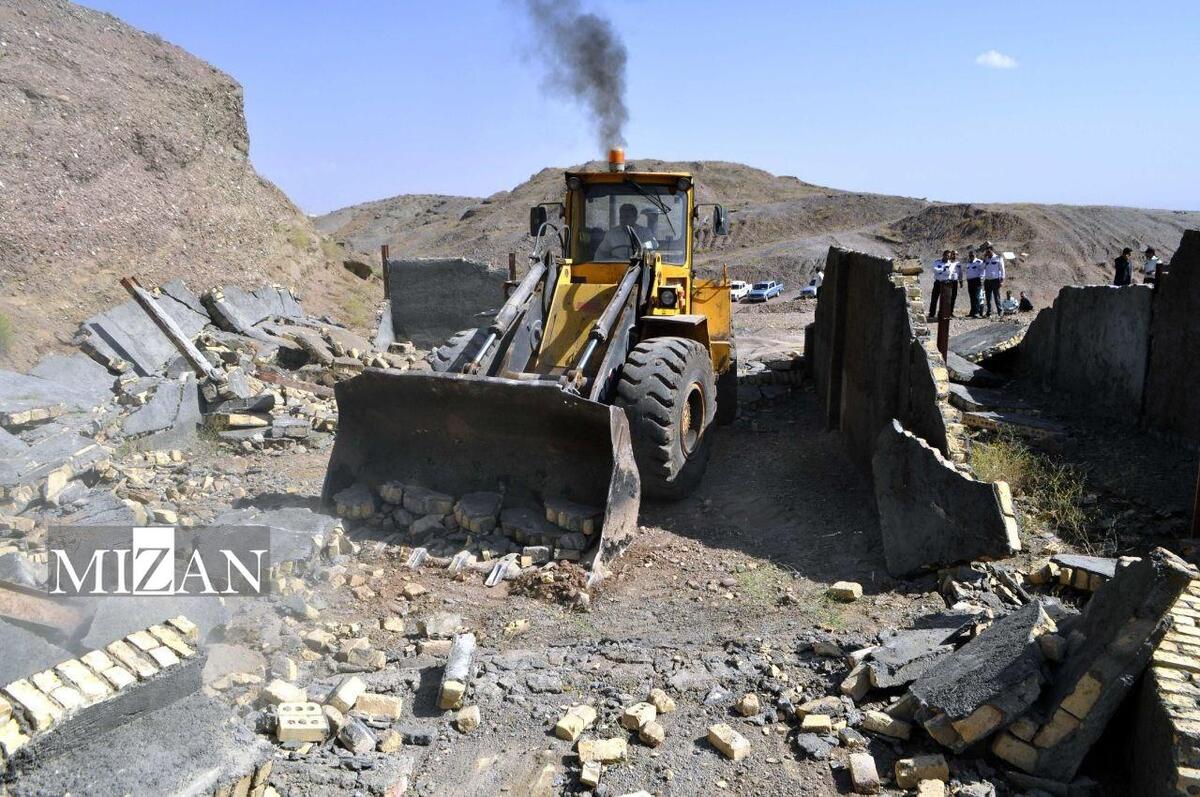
x,y
616,245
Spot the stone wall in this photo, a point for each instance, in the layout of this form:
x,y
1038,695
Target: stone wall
x,y
1093,344
1172,403
431,299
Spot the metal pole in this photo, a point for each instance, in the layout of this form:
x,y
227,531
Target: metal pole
x,y
383,259
943,320
512,274
170,329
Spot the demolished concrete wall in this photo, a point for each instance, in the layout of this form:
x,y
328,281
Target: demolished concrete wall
x,y
1093,343
431,299
1172,404
885,386
930,513
870,358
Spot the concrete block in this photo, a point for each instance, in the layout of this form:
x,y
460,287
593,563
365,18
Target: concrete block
x,y
381,706
931,514
301,722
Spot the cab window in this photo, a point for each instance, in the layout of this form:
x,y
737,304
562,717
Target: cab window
x,y
657,215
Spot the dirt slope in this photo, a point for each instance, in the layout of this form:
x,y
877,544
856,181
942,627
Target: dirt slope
x,y
783,227
123,154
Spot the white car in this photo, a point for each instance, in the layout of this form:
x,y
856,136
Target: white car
x,y
738,290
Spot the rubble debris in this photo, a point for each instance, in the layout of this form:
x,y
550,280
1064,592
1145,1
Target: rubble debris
x,y
988,683
885,725
911,771
457,672
603,751
574,722
931,514
635,717
1118,631
652,734
965,372
468,719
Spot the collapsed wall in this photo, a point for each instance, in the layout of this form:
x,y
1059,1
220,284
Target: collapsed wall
x,y
885,387
1125,352
432,298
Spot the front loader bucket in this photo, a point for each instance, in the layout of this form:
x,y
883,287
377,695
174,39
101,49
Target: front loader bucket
x,y
457,434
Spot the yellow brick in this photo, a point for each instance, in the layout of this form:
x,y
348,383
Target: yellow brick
x,y
163,656
1168,674
1024,729
1060,726
731,743
185,627
1167,659
77,674
574,722
131,660
168,637
142,641
878,722
911,771
11,738
981,722
816,723
38,709
1083,697
1188,780
637,715
98,660
1014,751
605,751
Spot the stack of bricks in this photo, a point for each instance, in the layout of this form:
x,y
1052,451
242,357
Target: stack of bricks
x,y
1083,576
906,274
1166,760
36,705
251,784
1123,625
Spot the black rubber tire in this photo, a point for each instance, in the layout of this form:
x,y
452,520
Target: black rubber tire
x,y
727,391
450,356
665,384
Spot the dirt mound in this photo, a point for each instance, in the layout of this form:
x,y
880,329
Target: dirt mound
x,y
964,225
123,154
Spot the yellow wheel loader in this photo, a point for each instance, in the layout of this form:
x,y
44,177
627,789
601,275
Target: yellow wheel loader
x,y
598,379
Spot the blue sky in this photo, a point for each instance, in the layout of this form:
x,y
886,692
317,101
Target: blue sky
x,y
351,101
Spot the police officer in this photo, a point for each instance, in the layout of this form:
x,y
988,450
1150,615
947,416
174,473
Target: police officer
x,y
1123,269
973,271
1150,269
993,278
944,270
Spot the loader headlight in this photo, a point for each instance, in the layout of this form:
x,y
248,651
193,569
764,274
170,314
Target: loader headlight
x,y
683,184
668,297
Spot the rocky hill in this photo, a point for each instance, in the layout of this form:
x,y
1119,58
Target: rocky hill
x,y
782,227
123,154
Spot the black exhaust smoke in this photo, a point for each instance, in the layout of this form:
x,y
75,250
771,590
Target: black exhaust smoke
x,y
585,59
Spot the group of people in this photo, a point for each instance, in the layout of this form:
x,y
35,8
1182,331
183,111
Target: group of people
x,y
984,277
1151,266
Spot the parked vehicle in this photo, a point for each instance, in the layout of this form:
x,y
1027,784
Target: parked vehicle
x,y
763,291
738,290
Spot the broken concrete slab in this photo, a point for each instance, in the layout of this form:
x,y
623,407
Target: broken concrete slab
x,y
986,684
1026,426
279,302
1096,565
188,747
26,652
976,345
296,532
178,290
981,399
234,309
127,334
172,415
966,372
384,335
91,383
904,655
104,508
930,514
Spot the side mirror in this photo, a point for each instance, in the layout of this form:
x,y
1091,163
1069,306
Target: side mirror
x,y
537,217
720,221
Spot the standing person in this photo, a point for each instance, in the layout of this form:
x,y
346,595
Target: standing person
x,y
1150,268
1124,269
945,269
973,271
993,278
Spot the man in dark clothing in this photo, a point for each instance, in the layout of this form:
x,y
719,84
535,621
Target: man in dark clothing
x,y
1124,268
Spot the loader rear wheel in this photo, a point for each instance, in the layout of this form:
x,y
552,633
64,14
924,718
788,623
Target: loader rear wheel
x,y
669,394
450,357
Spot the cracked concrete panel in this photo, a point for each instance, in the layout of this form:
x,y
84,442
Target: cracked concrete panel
x,y
931,514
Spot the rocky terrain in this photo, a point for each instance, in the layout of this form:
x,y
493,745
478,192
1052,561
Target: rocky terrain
x,y
782,227
124,155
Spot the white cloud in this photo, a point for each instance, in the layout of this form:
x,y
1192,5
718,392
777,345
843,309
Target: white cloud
x,y
994,59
